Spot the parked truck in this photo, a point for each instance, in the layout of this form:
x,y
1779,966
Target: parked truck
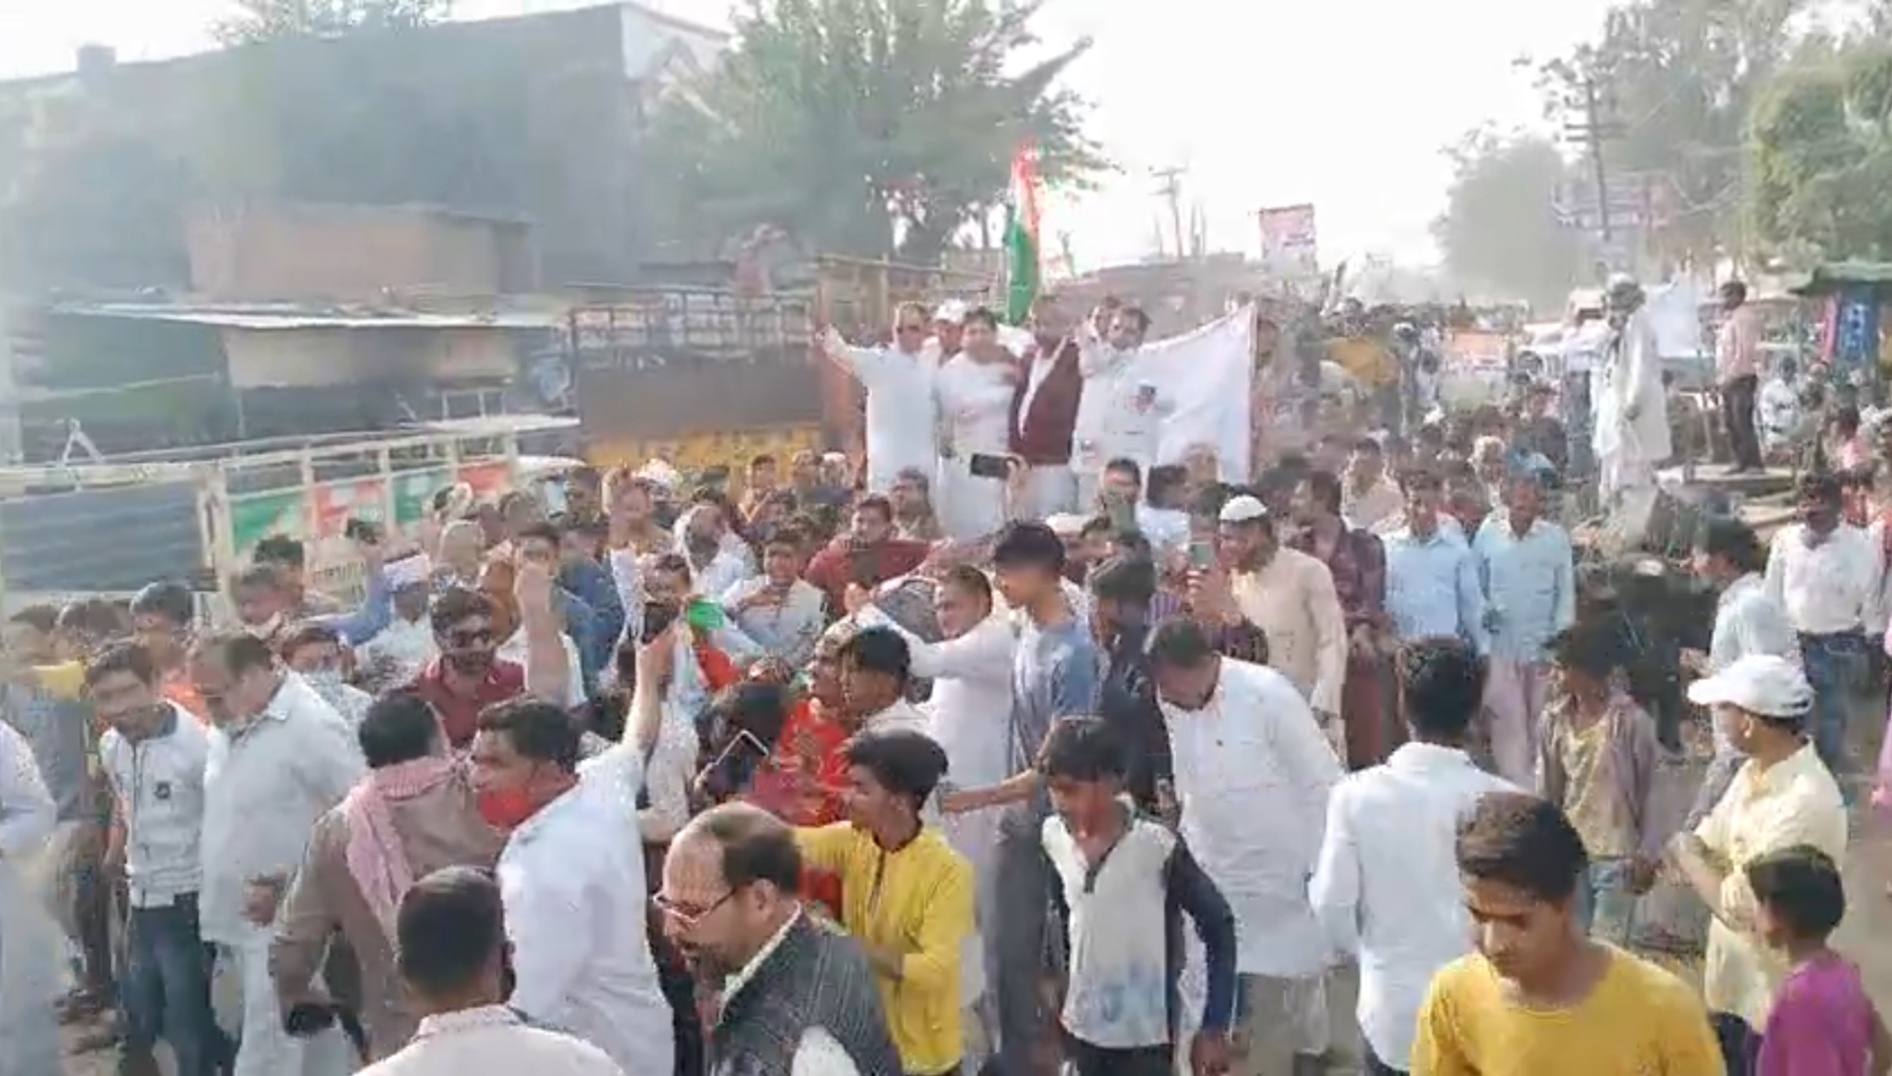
x,y
708,376
106,527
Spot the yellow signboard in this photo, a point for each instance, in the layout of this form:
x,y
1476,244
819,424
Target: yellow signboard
x,y
721,448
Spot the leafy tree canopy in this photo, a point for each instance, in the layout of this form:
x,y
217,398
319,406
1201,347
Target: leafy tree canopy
x,y
1821,145
1677,80
871,127
1500,233
270,20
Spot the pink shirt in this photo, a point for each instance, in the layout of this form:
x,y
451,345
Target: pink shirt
x,y
1738,345
1821,1023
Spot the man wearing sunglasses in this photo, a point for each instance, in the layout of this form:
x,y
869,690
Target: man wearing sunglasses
x,y
899,382
470,675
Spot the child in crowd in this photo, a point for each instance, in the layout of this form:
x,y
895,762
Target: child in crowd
x,y
1822,1022
1596,763
1124,883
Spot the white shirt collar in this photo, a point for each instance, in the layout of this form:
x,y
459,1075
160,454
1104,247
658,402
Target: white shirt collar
x,y
466,1020
1415,757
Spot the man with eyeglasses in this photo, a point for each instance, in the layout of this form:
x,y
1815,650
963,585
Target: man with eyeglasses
x,y
279,758
796,997
901,426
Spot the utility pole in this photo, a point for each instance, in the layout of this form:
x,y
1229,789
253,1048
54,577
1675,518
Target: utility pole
x,y
1170,191
1596,127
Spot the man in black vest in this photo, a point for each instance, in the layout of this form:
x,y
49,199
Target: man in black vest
x,y
793,989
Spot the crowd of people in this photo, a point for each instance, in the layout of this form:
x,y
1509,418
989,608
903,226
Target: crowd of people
x,y
919,767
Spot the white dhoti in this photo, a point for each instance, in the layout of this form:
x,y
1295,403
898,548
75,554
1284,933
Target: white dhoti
x,y
265,1048
1621,471
1050,489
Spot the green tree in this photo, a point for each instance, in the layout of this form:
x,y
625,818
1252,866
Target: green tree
x,y
1821,159
270,20
1676,81
871,127
1500,232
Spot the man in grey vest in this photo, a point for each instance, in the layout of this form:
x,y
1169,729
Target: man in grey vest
x,y
797,996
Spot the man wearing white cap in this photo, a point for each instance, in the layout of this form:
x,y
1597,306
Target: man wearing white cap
x,y
1783,796
1290,596
949,325
898,380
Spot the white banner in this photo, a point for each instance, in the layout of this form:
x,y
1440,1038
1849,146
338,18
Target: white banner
x,y
1209,376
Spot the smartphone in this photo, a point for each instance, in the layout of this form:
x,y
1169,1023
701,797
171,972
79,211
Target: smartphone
x,y
988,465
733,767
1201,554
657,617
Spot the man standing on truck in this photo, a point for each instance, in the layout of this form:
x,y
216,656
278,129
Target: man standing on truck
x,y
899,384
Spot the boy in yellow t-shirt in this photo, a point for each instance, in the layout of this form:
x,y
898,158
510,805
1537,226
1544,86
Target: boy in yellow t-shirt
x,y
1539,997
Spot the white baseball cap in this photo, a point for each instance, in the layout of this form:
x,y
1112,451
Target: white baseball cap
x,y
1763,684
952,312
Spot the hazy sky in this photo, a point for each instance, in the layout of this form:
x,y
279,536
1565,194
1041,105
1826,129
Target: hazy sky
x,y
1344,103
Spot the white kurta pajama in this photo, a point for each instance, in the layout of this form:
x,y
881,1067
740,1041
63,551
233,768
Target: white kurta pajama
x,y
974,401
265,784
1253,773
1629,373
1119,416
899,422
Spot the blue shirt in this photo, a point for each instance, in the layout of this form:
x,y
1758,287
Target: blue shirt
x,y
1055,673
1530,585
1432,589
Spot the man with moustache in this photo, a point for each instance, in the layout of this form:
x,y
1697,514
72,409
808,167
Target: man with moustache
x,y
797,997
1044,413
469,675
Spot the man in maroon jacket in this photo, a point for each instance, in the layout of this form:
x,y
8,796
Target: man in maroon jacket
x,y
1044,412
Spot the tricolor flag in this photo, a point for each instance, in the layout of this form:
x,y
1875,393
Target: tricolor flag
x,y
1022,264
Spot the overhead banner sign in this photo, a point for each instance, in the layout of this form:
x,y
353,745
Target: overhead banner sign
x,y
1289,242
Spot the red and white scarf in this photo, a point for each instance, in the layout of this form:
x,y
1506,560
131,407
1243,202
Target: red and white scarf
x,y
376,858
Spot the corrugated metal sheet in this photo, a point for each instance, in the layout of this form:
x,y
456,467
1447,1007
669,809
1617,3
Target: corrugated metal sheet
x,y
101,539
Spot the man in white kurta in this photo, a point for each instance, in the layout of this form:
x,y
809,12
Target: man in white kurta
x,y
898,381
1120,415
1630,408
1252,773
572,875
973,392
969,716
